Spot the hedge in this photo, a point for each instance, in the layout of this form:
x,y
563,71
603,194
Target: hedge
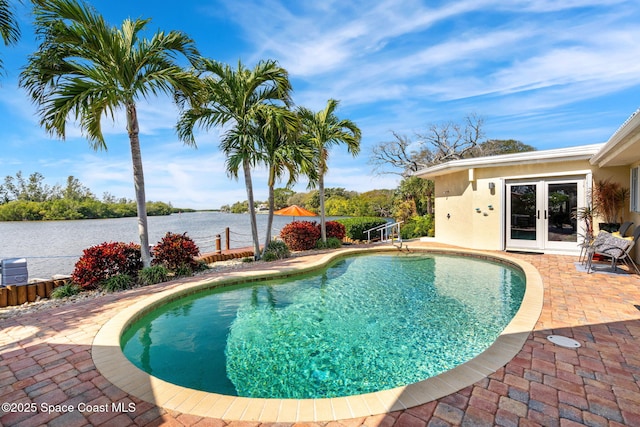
x,y
356,227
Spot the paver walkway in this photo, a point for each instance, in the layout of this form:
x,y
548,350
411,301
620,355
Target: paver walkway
x,y
45,362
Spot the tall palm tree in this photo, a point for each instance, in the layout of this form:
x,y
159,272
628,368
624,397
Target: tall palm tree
x,y
324,129
85,69
9,28
283,151
234,98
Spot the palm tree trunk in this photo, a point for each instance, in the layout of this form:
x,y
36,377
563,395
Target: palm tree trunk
x,y
138,181
252,209
267,238
323,226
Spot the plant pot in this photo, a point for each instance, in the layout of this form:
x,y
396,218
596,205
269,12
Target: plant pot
x,y
609,226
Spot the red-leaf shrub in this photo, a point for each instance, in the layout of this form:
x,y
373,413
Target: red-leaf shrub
x,y
175,251
300,235
101,262
334,229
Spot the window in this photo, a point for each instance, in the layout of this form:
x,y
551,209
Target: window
x,y
634,202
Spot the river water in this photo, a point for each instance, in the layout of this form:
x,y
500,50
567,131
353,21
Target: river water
x,y
53,247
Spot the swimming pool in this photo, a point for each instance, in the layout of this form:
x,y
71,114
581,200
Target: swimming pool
x,y
364,324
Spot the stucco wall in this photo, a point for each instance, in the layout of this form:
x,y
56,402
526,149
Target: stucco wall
x,y
460,198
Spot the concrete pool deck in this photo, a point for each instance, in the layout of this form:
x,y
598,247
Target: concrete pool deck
x,y
46,360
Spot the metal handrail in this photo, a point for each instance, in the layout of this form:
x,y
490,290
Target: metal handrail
x,y
386,231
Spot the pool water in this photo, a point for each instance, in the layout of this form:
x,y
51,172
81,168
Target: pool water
x,y
364,324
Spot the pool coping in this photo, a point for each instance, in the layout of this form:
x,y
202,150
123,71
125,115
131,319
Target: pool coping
x,y
116,368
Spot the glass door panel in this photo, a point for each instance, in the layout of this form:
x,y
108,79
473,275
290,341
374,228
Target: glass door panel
x,y
562,200
539,214
523,212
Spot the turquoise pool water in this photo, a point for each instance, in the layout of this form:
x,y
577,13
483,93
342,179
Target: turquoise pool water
x,y
364,324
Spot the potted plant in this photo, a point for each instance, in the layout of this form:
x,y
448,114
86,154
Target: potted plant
x,y
585,214
609,198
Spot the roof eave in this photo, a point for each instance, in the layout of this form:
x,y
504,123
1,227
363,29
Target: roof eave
x,y
584,152
615,152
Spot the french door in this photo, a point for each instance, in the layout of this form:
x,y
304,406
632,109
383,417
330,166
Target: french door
x,y
539,214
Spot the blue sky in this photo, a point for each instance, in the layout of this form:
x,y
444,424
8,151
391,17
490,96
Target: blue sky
x,y
548,73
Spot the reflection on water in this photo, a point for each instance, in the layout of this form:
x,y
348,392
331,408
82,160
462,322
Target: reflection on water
x,y
53,247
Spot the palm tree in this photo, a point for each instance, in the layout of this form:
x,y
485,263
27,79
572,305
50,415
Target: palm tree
x,y
9,29
324,129
235,97
85,69
283,151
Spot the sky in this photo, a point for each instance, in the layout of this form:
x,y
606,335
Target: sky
x,y
549,73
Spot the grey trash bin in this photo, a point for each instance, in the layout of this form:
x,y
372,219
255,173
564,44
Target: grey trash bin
x,y
14,272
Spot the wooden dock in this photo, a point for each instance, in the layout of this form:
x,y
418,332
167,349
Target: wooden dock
x,y
225,255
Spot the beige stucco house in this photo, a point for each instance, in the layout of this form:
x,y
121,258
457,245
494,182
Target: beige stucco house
x,y
523,201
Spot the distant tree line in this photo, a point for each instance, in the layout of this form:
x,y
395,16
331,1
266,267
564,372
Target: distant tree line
x,y
30,199
410,198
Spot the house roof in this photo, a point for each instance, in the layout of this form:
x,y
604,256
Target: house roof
x,y
623,148
583,152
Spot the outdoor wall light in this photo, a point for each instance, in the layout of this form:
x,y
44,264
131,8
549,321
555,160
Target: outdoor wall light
x,y
478,210
490,207
448,216
492,186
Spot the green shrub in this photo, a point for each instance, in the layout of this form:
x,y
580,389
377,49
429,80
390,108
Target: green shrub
x,y
332,243
101,262
247,259
418,226
119,282
152,275
300,235
66,290
276,249
175,251
355,227
183,270
200,266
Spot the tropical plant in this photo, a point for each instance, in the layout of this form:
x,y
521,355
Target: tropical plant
x,y
152,275
585,215
282,151
300,235
183,270
275,250
355,227
331,243
235,98
67,290
324,129
335,229
418,193
609,198
119,282
175,251
9,28
418,226
85,69
100,262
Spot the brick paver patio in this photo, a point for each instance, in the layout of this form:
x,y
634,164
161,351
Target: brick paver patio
x,y
45,360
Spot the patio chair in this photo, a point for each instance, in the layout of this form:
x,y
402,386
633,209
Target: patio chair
x,y
616,248
624,228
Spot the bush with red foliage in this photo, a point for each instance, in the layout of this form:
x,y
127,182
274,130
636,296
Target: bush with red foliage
x,y
334,229
300,235
175,251
101,262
